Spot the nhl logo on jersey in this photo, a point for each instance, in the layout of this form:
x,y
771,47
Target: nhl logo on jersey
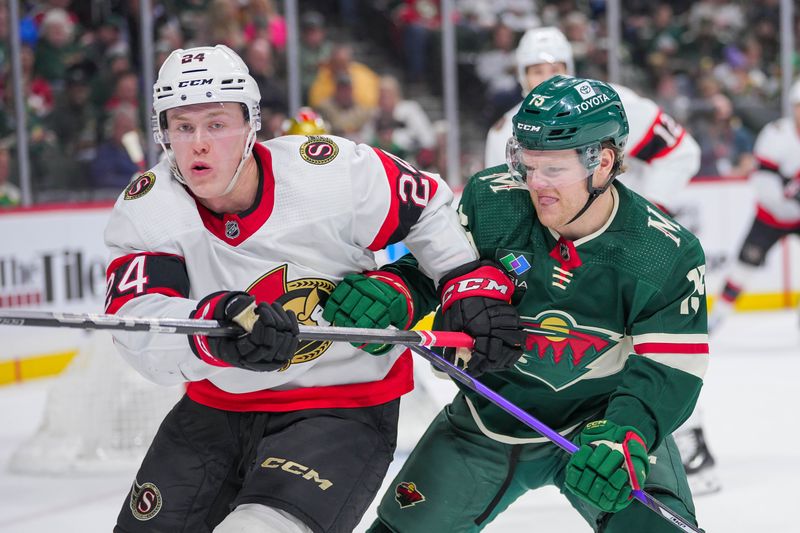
x,y
140,186
319,150
407,495
231,229
145,500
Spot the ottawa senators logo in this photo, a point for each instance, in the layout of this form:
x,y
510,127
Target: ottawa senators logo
x,y
305,296
140,186
319,150
145,500
407,495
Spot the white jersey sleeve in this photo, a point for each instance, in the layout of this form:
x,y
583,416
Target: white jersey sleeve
x,y
660,154
777,152
396,202
497,137
141,235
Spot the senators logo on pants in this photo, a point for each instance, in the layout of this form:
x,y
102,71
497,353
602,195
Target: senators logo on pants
x,y
145,500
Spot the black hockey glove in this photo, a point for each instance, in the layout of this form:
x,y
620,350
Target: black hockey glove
x,y
268,344
476,300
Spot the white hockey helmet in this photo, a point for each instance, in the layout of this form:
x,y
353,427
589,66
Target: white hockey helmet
x,y
543,45
205,74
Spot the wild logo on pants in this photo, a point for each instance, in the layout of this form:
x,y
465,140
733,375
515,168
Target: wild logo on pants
x,y
407,495
145,500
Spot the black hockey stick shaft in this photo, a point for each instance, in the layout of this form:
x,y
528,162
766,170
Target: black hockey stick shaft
x,y
212,328
534,423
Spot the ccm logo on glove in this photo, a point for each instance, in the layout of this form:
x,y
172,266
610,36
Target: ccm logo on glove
x,y
486,281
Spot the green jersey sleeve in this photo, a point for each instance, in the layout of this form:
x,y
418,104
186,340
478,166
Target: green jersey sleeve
x,y
662,378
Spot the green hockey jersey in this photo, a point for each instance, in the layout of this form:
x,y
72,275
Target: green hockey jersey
x,y
615,321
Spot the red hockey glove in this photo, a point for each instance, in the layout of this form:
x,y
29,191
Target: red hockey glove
x,y
268,344
476,300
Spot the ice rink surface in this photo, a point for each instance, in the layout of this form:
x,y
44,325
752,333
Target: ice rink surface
x,y
750,402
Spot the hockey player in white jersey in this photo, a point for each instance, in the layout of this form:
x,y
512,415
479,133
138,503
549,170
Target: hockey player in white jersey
x,y
661,157
274,434
660,154
776,180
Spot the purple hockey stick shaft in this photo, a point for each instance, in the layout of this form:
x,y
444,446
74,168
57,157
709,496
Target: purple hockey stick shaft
x,y
565,444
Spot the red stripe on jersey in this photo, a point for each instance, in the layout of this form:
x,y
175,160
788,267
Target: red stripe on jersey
x,y
392,219
770,220
397,382
671,347
235,228
116,303
397,283
767,164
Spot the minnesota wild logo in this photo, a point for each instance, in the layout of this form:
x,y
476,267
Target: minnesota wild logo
x,y
560,352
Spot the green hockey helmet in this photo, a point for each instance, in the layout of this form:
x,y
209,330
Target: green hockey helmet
x,y
568,113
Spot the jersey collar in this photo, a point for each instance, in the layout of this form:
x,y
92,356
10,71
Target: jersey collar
x,y
235,228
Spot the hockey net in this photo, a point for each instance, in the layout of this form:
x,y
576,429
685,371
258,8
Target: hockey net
x,y
100,416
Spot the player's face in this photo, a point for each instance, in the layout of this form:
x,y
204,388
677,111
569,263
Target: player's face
x,y
207,141
536,74
557,183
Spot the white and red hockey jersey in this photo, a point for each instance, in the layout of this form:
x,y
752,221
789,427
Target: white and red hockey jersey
x,y
661,156
324,206
777,151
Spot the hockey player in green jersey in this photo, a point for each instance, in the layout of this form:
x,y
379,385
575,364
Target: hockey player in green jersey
x,y
611,295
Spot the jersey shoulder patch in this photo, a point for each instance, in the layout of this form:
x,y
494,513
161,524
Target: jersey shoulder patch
x,y
140,186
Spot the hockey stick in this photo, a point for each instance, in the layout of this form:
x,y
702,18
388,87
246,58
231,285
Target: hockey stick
x,y
212,328
565,444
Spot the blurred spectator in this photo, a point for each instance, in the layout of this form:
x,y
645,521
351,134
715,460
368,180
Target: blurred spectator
x,y
39,92
224,25
259,60
519,15
418,21
264,21
126,91
112,167
104,83
74,119
10,194
726,146
108,40
726,18
56,49
497,69
383,136
315,49
581,38
347,118
340,65
411,129
47,162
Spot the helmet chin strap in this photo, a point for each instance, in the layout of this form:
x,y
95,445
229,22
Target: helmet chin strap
x,y
594,194
251,139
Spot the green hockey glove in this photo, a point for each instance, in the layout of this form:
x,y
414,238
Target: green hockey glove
x,y
370,300
611,461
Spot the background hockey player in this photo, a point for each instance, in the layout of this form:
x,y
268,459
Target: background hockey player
x,y
273,434
610,293
777,185
661,158
661,155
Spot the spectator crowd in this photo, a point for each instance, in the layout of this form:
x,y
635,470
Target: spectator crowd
x,y
372,70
